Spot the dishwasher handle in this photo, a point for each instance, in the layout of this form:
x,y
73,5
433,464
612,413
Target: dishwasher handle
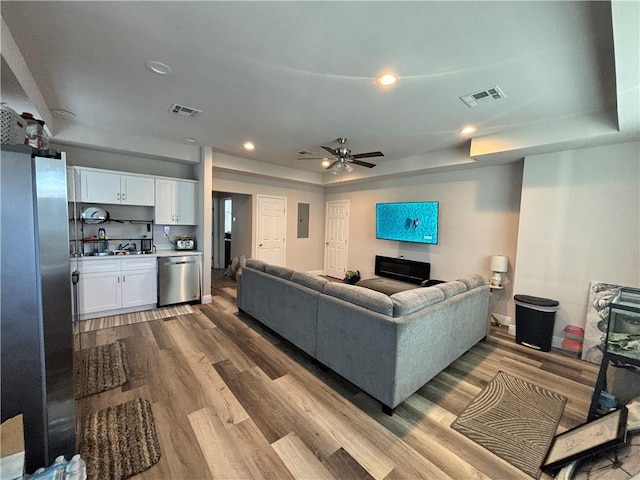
x,y
178,262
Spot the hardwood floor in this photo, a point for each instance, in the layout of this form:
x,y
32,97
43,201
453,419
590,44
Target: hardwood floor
x,y
232,399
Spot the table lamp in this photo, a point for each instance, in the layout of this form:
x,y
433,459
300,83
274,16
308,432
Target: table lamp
x,y
499,264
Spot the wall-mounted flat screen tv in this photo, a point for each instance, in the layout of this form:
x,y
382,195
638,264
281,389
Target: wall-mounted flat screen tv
x,y
408,221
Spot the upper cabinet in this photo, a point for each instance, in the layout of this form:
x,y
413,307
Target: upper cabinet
x,y
98,186
176,202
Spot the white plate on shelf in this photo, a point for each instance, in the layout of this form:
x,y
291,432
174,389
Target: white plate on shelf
x,y
94,215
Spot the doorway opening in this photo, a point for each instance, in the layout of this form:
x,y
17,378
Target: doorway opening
x,y
232,230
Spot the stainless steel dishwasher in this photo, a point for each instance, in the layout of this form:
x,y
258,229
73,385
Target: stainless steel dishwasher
x,y
178,279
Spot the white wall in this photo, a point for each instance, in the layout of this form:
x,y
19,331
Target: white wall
x,y
301,253
478,218
579,221
242,225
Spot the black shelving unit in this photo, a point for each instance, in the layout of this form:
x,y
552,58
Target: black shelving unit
x,y
90,245
623,328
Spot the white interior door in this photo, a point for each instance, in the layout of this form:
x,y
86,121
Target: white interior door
x,y
272,229
336,238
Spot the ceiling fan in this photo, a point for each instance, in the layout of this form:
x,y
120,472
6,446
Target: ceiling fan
x,y
343,158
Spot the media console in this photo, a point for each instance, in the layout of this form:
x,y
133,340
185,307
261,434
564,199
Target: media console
x,y
397,275
409,271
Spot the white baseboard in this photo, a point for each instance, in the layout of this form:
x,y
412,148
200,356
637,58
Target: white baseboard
x,y
316,272
512,330
206,299
502,319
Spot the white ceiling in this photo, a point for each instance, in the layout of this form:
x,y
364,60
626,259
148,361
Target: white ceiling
x,y
292,76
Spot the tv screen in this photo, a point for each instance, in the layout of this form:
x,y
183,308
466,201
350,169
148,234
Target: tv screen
x,y
407,222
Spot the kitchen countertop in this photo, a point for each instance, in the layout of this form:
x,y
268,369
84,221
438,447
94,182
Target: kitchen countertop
x,y
159,254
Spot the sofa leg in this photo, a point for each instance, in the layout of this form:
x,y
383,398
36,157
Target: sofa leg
x,y
388,410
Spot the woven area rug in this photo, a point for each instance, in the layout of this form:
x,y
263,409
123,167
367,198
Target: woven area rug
x,y
100,368
130,318
514,419
119,442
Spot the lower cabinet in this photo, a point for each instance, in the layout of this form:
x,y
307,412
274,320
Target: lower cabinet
x,y
109,285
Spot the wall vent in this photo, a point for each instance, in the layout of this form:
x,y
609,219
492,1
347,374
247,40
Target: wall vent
x,y
483,96
184,111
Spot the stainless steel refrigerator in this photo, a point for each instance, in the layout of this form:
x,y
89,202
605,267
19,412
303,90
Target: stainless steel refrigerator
x,y
35,304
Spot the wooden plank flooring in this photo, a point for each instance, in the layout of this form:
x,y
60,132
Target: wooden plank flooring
x,y
231,399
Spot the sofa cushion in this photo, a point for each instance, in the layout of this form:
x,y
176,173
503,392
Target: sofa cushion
x,y
385,285
308,280
410,301
256,264
449,289
472,281
363,297
278,271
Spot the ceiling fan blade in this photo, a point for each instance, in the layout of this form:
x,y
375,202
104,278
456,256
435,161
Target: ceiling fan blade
x,y
368,155
363,164
330,150
332,165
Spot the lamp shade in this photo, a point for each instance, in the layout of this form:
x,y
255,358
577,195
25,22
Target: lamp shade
x,y
499,263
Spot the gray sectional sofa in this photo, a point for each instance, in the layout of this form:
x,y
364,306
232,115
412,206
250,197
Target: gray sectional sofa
x,y
389,346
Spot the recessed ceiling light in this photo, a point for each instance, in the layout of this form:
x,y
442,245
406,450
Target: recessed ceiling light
x,y
190,140
467,130
59,112
158,67
325,162
386,79
249,146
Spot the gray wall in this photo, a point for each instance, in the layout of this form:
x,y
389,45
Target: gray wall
x,y
302,253
479,210
579,221
86,157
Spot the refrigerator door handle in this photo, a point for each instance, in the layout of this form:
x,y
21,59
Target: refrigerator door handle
x,y
75,278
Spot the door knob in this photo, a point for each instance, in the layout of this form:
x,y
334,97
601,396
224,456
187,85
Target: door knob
x,y
260,245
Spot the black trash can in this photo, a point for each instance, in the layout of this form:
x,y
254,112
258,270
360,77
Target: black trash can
x,y
535,318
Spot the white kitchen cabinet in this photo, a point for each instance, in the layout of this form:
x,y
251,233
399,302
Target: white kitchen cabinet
x,y
99,286
137,190
114,285
175,202
100,186
139,281
99,292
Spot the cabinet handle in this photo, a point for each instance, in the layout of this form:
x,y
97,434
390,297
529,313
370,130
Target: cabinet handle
x,y
118,278
124,278
118,196
177,218
124,196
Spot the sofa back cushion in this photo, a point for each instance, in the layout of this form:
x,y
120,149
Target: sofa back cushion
x,y
449,289
472,281
256,264
308,280
410,301
278,271
363,297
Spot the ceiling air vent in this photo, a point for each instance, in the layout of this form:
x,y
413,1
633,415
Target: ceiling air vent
x,y
184,111
483,96
305,152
